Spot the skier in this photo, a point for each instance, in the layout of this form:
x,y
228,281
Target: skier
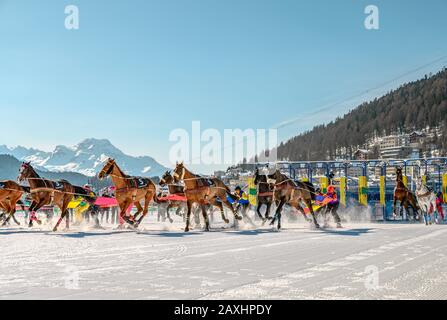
x,y
332,207
243,203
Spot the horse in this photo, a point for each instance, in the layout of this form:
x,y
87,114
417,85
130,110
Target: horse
x,y
179,190
204,191
47,192
130,190
10,194
265,195
426,199
292,193
168,180
6,215
404,196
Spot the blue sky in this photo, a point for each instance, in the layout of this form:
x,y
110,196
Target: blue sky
x,y
137,69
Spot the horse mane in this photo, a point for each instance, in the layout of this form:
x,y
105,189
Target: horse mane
x,y
120,171
36,175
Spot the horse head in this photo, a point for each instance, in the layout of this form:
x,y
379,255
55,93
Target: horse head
x,y
107,169
166,179
179,172
25,171
399,173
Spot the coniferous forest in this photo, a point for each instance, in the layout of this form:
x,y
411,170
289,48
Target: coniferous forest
x,y
413,106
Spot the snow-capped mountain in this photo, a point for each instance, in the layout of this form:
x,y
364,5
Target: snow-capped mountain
x,y
87,158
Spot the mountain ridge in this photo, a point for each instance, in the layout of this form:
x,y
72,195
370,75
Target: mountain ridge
x,y
85,158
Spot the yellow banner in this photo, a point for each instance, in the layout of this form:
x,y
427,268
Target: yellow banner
x,y
252,192
363,190
405,180
424,180
343,185
74,203
382,191
324,183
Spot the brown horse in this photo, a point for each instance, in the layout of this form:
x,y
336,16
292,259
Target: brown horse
x,y
174,188
168,180
130,190
404,196
47,192
10,195
265,195
293,193
204,191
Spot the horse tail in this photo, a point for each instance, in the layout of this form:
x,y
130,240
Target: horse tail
x,y
26,189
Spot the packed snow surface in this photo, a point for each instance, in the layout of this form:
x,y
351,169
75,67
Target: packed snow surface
x,y
361,261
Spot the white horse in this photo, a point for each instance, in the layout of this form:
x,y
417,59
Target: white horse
x,y
427,201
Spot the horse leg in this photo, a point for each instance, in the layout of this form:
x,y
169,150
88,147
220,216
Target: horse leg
x,y
205,216
196,214
230,206
219,205
63,215
267,211
147,202
139,209
394,207
170,206
11,215
245,215
258,211
278,213
32,212
95,216
309,205
188,216
124,206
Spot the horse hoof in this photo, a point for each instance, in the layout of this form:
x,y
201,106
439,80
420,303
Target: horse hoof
x,y
227,221
317,226
186,229
54,229
339,226
171,221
